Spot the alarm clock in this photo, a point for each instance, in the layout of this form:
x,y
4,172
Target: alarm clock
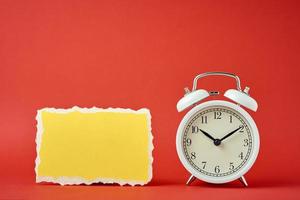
x,y
217,141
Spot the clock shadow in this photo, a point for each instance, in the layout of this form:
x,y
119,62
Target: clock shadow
x,y
198,183
251,184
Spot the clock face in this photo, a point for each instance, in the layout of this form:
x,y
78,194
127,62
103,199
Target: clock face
x,y
217,141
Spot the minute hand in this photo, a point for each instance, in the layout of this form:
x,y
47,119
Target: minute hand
x,y
229,134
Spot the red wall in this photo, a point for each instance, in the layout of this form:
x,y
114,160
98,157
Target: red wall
x,y
141,54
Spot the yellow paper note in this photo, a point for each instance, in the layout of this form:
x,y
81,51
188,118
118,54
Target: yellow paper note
x,y
84,146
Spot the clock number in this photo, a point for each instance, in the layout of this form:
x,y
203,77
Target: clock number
x,y
246,142
204,164
231,166
242,129
195,129
193,155
217,169
241,155
204,119
230,118
217,115
188,142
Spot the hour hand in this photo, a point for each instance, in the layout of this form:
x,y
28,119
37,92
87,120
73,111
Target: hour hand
x,y
208,135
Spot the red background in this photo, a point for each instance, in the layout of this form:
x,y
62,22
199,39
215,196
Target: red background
x,y
142,54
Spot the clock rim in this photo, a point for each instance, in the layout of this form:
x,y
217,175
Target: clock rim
x,y
223,179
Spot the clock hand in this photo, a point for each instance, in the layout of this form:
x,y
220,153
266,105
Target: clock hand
x,y
208,135
229,134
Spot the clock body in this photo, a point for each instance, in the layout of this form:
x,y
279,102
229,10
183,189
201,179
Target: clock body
x,y
217,141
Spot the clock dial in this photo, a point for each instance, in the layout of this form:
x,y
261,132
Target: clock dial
x,y
217,141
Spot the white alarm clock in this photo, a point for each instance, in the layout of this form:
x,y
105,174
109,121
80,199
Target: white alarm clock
x,y
217,141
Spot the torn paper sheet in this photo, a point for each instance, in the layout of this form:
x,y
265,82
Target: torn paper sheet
x,y
92,145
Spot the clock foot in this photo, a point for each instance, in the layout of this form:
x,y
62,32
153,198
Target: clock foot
x,y
243,180
191,179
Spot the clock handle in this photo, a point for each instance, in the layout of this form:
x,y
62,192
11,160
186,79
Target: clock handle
x,y
237,79
237,95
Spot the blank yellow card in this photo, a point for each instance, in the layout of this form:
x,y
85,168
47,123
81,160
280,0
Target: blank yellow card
x,y
84,146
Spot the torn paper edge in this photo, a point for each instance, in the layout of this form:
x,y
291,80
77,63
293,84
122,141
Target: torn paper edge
x,y
65,180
